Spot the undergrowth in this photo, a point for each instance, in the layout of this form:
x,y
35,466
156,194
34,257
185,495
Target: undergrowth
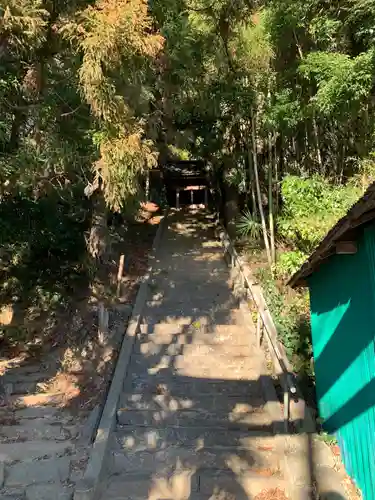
x,y
42,260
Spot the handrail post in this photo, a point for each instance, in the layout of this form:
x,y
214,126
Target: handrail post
x,y
286,408
259,328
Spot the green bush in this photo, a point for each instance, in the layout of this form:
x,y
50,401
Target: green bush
x,y
288,263
290,312
248,226
311,206
42,251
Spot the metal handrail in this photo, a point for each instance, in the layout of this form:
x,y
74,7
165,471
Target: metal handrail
x,y
264,322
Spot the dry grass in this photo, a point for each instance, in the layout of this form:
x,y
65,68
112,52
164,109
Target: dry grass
x,y
272,494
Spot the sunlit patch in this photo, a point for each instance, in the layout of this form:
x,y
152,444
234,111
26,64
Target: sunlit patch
x,y
152,439
129,442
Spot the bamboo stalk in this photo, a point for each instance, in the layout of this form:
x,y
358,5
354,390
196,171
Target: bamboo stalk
x,y
257,184
119,274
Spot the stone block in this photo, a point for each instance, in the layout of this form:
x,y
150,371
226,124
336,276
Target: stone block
x,y
39,471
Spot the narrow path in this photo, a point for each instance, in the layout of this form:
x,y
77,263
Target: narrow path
x,y
192,420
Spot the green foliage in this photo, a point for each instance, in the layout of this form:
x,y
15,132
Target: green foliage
x,y
327,438
288,263
311,206
344,83
248,226
43,252
290,312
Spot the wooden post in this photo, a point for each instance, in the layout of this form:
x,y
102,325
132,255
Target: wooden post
x,y
177,198
119,274
192,197
103,319
286,408
259,329
206,197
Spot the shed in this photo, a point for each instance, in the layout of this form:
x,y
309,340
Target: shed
x,y
340,275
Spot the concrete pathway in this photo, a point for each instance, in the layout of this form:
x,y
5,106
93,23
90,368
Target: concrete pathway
x,y
192,420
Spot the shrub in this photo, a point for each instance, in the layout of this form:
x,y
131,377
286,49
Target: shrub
x,y
248,226
311,206
288,263
290,312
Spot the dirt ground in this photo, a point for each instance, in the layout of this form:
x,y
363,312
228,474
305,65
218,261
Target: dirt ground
x,y
74,370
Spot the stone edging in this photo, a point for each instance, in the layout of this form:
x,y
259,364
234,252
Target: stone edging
x,y
298,465
89,487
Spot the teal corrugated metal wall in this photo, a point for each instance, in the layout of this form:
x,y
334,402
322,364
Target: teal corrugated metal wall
x,y
342,295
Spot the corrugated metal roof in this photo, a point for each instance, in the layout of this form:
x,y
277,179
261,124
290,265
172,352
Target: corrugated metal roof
x,y
362,212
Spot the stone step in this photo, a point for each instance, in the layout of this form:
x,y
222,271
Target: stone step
x,y
155,439
22,474
172,485
35,430
37,400
204,366
30,450
32,412
218,403
218,485
191,387
233,484
205,458
14,377
201,332
155,375
202,316
188,282
219,291
174,305
207,263
179,344
30,387
257,418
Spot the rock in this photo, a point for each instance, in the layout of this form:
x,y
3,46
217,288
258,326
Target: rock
x,y
28,473
49,492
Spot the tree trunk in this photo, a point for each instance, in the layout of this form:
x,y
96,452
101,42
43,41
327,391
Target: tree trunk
x,y
231,210
270,200
257,184
97,245
252,187
276,176
317,144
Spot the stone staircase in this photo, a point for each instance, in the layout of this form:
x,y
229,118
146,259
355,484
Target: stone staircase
x,y
192,420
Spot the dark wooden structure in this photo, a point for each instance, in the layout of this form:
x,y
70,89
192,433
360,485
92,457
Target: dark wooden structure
x,y
185,177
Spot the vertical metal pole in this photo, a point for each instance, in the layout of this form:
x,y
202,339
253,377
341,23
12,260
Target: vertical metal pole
x,y
177,198
192,197
259,328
